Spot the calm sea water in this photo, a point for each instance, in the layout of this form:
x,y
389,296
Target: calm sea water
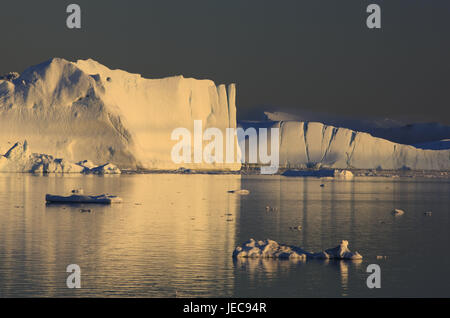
x,y
173,236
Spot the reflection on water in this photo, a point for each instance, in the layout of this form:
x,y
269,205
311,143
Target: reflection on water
x,y
173,236
168,237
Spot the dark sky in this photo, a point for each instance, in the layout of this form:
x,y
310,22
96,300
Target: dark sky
x,y
315,55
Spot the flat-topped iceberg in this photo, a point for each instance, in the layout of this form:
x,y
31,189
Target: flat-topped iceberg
x,y
80,198
305,145
271,249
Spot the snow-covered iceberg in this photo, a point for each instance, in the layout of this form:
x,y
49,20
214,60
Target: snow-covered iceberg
x,y
315,145
84,110
271,249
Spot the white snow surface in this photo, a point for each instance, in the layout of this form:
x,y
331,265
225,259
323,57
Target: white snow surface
x,y
271,249
84,110
315,145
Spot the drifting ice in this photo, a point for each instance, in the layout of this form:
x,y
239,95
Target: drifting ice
x,y
76,198
320,173
397,212
271,249
240,191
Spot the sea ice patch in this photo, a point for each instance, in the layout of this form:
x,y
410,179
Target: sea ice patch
x,y
271,249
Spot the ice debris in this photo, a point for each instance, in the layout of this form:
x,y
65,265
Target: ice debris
x,y
75,198
271,249
20,159
320,173
397,212
241,191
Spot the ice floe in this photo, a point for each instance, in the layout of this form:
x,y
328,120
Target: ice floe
x,y
397,212
240,191
271,249
320,173
77,198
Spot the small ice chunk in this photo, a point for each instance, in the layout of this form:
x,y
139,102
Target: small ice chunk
x,y
241,192
343,174
397,212
342,252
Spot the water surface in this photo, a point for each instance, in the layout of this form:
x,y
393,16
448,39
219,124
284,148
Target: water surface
x,y
173,236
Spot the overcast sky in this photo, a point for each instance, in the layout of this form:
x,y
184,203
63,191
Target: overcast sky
x,y
315,55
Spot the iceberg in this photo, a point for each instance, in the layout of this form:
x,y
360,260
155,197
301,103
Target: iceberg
x,y
78,199
313,145
84,110
271,249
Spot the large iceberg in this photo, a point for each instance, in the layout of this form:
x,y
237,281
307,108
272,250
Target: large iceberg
x,y
84,110
315,145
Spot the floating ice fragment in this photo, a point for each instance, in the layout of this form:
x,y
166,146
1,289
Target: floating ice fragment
x,y
327,174
271,249
75,198
241,191
397,212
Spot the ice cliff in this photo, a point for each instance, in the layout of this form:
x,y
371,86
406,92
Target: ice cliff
x,y
315,145
84,110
